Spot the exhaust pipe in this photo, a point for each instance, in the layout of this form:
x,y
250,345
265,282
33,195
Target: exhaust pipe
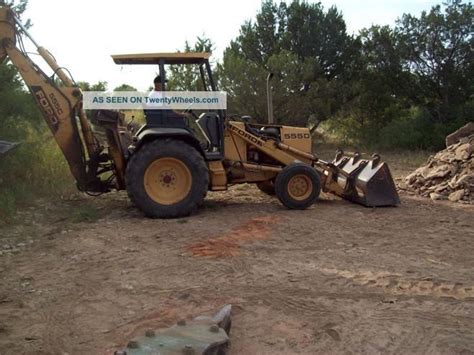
x,y
270,99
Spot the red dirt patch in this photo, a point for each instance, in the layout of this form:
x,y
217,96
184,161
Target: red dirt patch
x,y
228,245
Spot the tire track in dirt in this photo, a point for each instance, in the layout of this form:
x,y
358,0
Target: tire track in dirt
x,y
229,244
300,304
397,284
438,313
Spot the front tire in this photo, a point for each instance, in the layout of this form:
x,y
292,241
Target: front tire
x,y
298,186
167,179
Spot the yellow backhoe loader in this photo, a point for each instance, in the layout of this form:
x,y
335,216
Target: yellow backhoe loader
x,y
164,167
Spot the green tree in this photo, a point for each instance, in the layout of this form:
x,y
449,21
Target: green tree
x,y
376,92
99,86
125,87
15,101
438,49
187,77
244,82
415,81
309,50
19,8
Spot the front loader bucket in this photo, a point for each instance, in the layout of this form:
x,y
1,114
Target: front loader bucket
x,y
367,182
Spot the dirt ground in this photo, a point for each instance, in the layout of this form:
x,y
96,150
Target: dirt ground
x,y
83,275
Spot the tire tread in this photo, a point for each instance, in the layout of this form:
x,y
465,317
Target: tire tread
x,y
161,148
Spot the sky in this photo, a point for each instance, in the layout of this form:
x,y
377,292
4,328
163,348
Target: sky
x,y
83,34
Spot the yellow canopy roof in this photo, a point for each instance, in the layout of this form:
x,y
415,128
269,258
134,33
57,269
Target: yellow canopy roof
x,y
154,58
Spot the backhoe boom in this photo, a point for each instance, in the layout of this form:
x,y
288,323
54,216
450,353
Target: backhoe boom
x,y
59,100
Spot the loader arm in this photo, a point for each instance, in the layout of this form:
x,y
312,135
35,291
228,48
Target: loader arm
x,y
60,102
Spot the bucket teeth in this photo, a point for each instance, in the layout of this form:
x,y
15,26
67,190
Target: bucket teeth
x,y
356,157
339,155
375,160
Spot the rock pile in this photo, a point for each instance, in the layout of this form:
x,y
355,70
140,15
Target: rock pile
x,y
448,175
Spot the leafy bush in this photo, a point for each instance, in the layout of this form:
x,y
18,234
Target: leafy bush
x,y
36,167
411,128
416,130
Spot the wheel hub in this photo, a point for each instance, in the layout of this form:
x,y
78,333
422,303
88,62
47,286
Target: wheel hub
x,y
167,181
168,178
300,187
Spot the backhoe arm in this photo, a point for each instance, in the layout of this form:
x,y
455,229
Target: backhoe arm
x,y
59,100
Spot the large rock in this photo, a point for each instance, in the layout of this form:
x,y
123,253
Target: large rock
x,y
439,172
464,131
466,181
435,197
463,152
456,196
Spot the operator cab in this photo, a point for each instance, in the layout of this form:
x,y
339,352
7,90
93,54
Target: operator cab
x,y
210,124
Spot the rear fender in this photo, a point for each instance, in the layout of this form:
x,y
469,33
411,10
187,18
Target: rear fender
x,y
147,134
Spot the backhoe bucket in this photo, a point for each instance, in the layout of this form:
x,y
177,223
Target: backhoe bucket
x,y
367,182
6,146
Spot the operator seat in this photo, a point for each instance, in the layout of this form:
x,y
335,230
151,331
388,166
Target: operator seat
x,y
272,132
209,124
264,132
212,127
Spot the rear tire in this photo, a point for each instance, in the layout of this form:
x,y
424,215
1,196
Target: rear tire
x,y
167,179
267,187
298,186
